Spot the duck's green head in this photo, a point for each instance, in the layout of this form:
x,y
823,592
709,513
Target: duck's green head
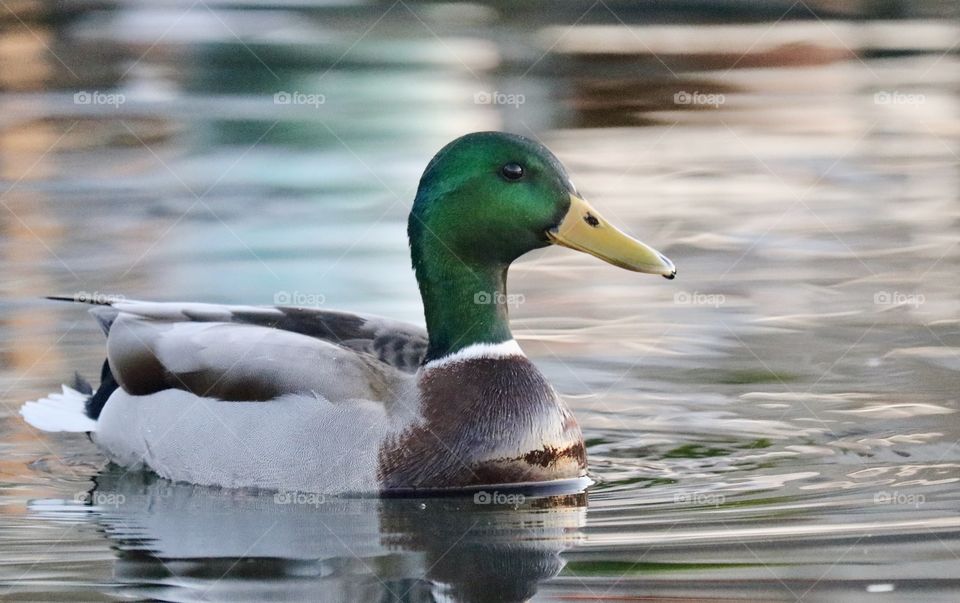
x,y
489,197
486,199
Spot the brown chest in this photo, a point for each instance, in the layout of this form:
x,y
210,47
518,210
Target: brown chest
x,y
484,421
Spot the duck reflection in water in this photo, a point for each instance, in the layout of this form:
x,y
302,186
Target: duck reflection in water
x,y
182,542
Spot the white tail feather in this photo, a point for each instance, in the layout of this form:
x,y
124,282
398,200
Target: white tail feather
x,y
59,412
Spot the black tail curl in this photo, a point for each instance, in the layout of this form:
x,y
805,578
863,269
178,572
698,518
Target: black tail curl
x,y
108,385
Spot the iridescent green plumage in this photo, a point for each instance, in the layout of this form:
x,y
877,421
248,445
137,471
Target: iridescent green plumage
x,y
469,222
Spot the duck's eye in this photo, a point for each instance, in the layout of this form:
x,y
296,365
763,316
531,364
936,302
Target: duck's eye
x,y
512,171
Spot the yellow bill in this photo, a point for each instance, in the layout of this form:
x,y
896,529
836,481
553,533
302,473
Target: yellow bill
x,y
586,230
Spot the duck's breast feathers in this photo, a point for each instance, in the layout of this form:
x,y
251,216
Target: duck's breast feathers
x,y
257,353
484,419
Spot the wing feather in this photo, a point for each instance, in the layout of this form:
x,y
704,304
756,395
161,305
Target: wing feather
x,y
234,352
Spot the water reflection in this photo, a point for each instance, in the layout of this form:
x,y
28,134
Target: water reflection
x,y
182,542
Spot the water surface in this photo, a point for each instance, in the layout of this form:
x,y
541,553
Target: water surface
x,y
778,423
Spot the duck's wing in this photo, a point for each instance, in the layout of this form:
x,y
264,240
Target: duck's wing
x,y
256,353
398,344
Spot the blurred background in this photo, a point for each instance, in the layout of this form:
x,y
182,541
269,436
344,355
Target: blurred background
x,y
779,423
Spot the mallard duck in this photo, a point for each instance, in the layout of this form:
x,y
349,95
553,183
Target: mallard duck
x,y
317,400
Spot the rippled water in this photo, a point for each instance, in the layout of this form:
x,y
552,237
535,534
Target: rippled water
x,y
779,423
